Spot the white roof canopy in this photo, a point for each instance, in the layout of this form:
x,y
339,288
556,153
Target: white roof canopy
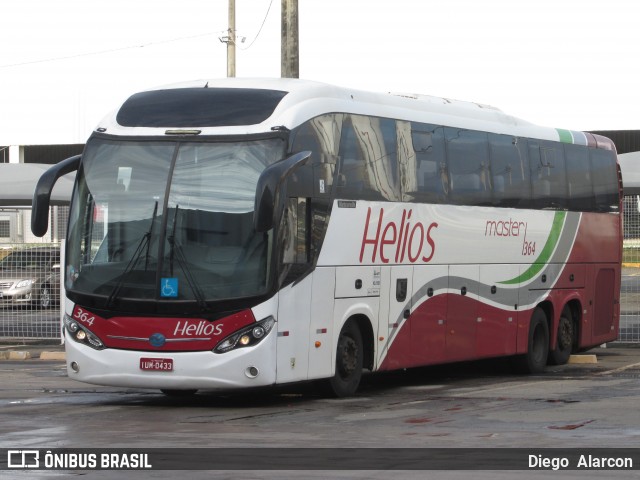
x,y
18,182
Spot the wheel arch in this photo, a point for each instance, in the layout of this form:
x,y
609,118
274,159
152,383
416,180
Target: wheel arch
x,y
366,330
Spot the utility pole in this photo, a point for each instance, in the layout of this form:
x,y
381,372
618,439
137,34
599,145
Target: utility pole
x,y
231,40
289,44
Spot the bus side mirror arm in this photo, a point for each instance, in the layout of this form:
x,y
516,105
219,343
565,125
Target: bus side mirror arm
x,y
42,193
268,189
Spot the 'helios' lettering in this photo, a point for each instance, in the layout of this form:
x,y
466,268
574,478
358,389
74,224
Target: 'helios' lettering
x,y
388,240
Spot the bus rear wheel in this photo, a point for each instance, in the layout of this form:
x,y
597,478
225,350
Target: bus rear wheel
x,y
535,360
349,361
565,342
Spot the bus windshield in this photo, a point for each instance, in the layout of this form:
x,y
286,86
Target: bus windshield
x,y
169,221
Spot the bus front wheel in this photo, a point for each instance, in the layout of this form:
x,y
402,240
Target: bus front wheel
x,y
535,360
349,361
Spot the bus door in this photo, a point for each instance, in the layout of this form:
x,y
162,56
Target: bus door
x,y
428,326
294,312
462,312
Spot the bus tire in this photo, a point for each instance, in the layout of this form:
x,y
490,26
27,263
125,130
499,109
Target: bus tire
x,y
349,361
535,360
565,341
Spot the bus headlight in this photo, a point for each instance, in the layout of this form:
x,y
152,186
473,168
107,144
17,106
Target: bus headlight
x,y
82,334
246,337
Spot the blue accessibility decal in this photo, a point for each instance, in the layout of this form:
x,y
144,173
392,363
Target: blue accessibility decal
x,y
169,288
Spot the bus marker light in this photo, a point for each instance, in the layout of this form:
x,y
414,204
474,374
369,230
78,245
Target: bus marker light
x,y
183,132
318,344
381,339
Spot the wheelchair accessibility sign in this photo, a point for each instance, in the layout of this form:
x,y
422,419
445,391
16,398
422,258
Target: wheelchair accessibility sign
x,y
169,288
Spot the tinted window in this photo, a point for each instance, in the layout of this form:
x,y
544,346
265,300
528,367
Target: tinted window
x,y
605,180
320,136
368,159
579,188
199,107
423,162
467,153
510,176
548,178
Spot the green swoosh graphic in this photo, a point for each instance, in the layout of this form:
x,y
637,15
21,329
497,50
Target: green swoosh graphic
x,y
545,254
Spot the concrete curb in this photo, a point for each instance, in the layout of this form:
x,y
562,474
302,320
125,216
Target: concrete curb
x,y
26,355
53,356
19,355
583,359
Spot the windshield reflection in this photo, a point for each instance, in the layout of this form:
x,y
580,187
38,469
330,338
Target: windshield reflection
x,y
139,232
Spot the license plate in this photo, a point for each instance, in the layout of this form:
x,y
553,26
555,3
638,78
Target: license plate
x,y
156,364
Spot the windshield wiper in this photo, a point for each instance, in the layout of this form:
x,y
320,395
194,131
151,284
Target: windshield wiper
x,y
149,235
144,241
176,251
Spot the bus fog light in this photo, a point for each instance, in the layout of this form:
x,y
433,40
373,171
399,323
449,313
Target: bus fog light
x,y
252,372
75,367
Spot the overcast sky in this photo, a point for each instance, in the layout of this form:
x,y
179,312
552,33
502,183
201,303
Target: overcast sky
x,y
573,64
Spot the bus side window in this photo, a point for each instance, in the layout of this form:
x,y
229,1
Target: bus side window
x,y
605,180
422,159
509,171
579,185
468,160
368,159
296,232
321,136
548,177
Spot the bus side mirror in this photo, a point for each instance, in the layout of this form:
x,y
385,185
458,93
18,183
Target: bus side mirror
x,y
268,189
42,193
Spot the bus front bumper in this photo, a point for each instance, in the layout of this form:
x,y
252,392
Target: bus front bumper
x,y
241,368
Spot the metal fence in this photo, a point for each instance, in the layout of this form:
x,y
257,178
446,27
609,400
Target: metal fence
x,y
30,276
630,288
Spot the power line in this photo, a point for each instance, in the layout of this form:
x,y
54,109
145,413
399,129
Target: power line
x,y
261,26
102,52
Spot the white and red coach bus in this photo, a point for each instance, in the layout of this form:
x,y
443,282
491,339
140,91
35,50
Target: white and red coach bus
x,y
239,233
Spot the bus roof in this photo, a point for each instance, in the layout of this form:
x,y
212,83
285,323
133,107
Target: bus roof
x,y
301,100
